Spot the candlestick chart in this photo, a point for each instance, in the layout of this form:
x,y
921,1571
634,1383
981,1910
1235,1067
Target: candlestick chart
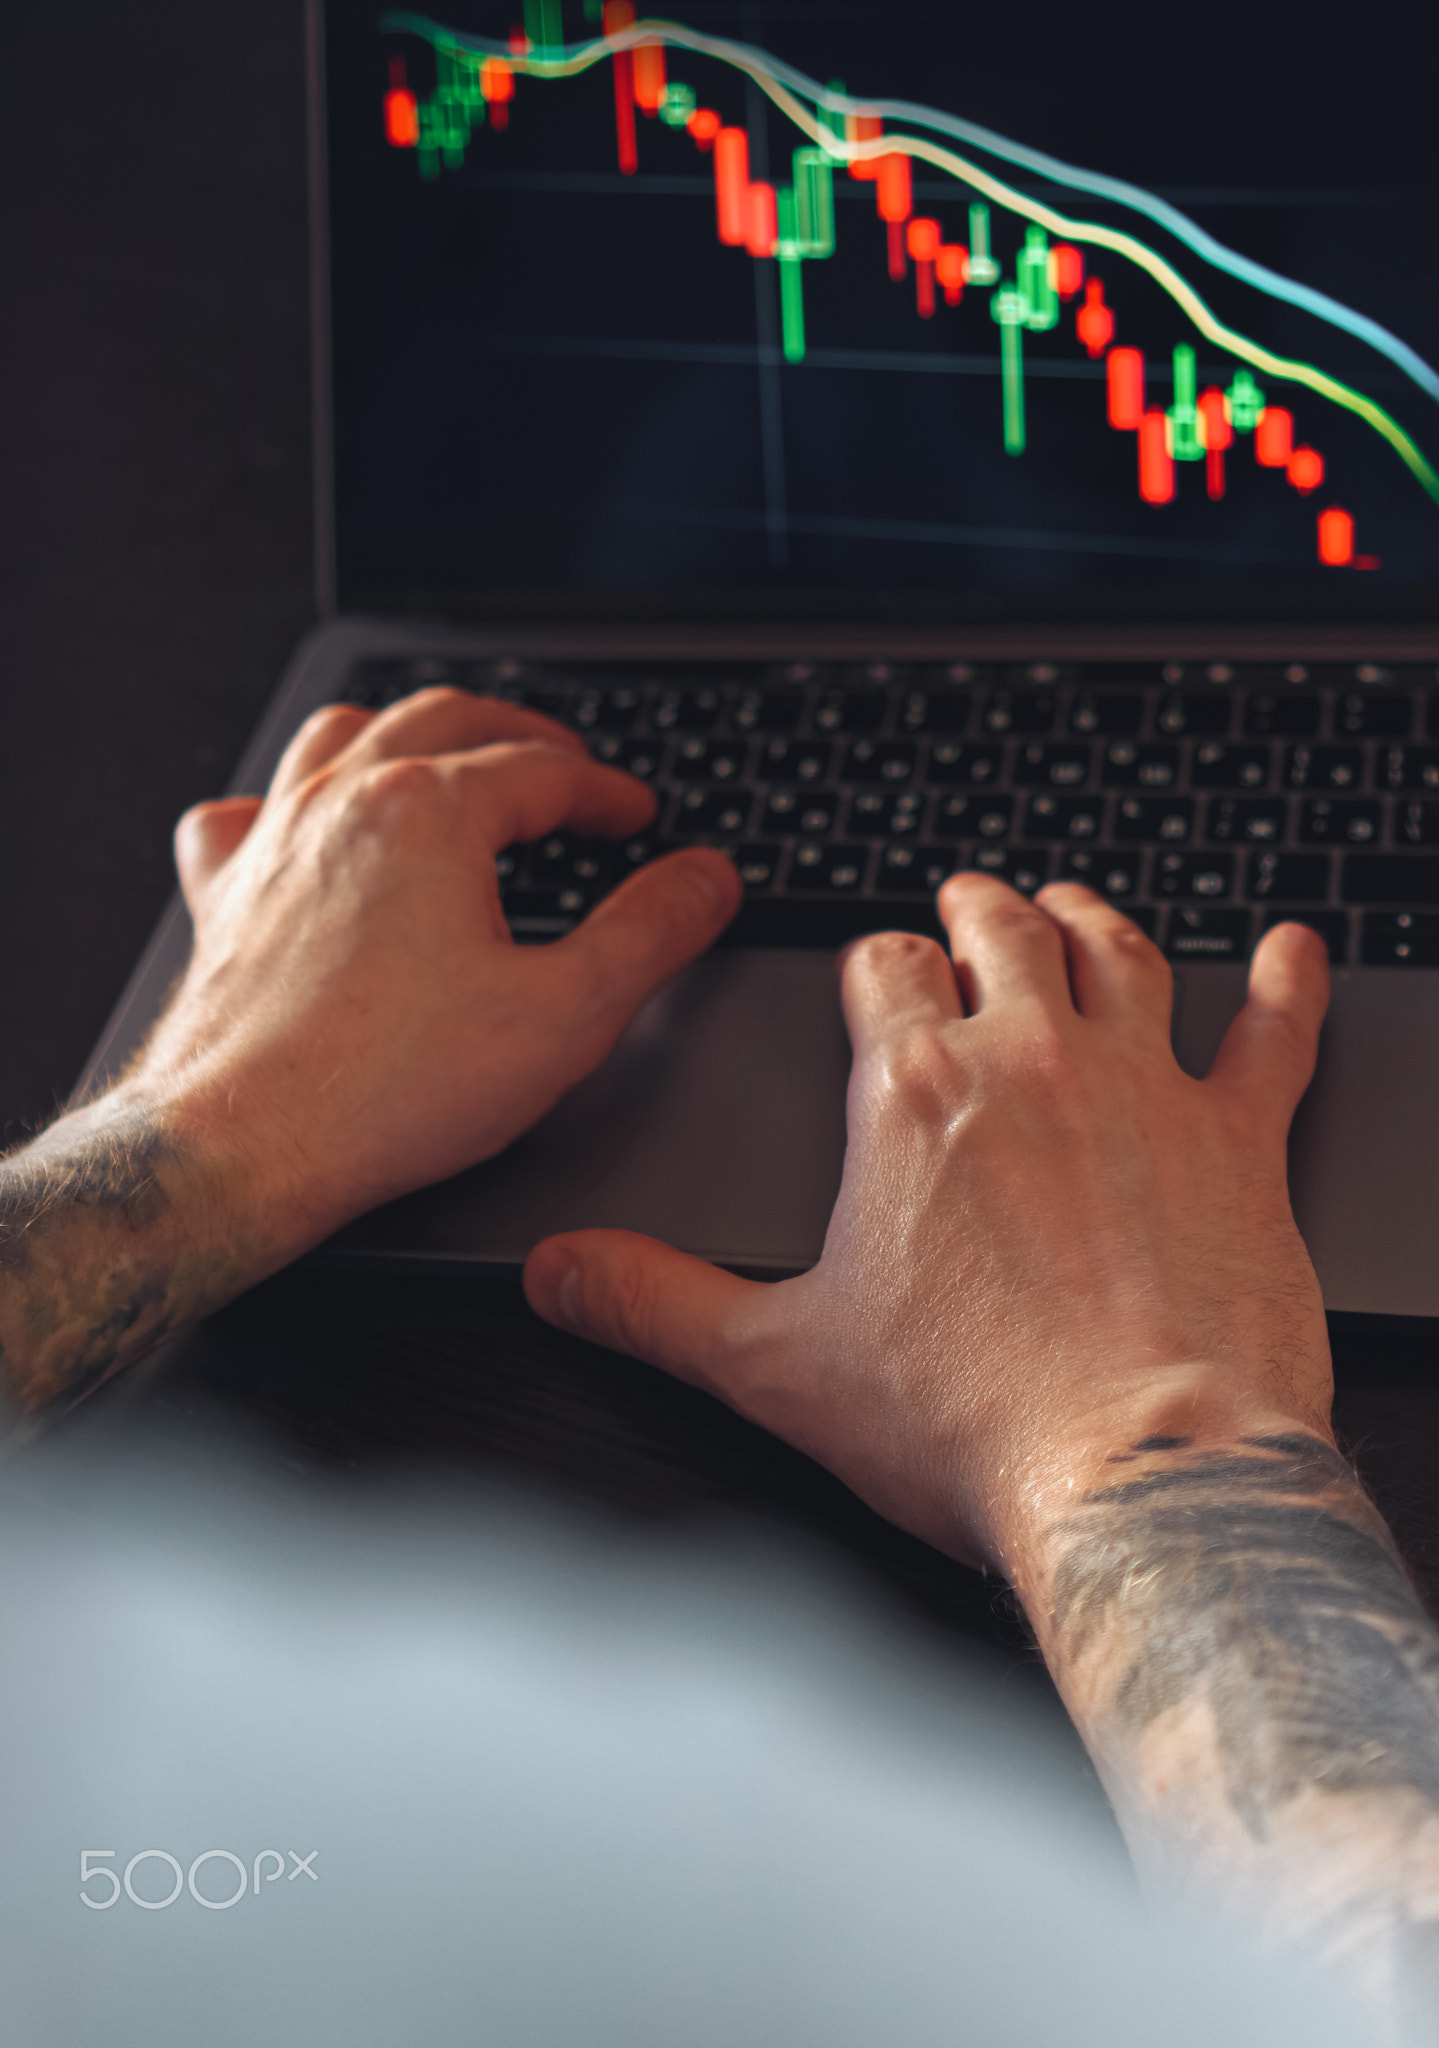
x,y
1002,256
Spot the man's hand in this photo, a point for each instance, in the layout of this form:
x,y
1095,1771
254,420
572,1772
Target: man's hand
x,y
1064,1324
1049,1240
355,1021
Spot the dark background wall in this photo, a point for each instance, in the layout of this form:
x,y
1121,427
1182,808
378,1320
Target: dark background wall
x,y
155,559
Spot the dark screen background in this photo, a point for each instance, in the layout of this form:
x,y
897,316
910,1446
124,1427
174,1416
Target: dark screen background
x,y
551,380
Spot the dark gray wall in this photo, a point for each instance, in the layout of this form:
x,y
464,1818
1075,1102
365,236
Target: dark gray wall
x,y
154,471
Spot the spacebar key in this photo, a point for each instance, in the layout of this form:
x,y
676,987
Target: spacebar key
x,y
1391,878
800,921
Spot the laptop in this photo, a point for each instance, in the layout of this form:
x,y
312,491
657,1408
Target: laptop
x,y
907,452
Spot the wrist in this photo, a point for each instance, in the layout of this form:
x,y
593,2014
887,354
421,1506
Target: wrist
x,y
1189,1406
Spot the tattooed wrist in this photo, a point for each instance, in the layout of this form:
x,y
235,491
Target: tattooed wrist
x,y
113,1236
1258,1682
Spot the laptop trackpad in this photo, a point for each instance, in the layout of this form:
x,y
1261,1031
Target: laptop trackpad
x,y
717,1124
1364,1155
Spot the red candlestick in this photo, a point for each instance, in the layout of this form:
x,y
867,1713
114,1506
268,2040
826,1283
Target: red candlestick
x,y
1156,464
732,186
1124,370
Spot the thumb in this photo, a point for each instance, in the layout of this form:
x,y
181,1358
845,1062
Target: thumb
x,y
206,837
1269,1051
636,1295
654,924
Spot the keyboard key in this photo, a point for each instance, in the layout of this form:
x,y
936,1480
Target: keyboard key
x,y
1199,714
1327,820
810,811
1404,878
951,762
1400,939
883,814
1065,766
1115,875
758,866
1207,934
1194,874
794,761
1289,877
877,675
969,817
1106,712
1127,766
1416,824
1410,768
641,758
685,710
1331,925
603,710
561,859
879,761
843,711
933,711
767,711
1324,768
1247,820
543,912
1152,819
838,870
709,760
1374,714
1217,767
914,870
1289,715
633,854
722,811
1064,817
1027,712
1022,869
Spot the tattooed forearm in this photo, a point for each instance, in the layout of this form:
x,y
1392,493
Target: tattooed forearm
x,y
107,1245
1259,1684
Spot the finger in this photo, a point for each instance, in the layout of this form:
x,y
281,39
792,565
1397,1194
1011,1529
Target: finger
x,y
1116,972
325,733
1268,1055
454,722
654,924
1005,948
894,980
517,790
206,837
642,1297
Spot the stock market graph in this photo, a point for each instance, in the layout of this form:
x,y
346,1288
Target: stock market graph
x,y
1169,348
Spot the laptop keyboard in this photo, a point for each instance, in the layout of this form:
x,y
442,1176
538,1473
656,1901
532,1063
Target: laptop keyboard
x,y
1209,801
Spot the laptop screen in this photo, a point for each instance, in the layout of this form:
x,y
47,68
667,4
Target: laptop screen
x,y
798,307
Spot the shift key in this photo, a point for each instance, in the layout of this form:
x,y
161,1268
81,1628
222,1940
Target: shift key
x,y
1391,878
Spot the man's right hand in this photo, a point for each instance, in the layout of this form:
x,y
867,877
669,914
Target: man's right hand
x,y
1049,1240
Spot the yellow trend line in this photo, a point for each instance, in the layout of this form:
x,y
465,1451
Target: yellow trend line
x,y
846,152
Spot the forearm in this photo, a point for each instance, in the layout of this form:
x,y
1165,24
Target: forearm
x,y
119,1226
1236,1638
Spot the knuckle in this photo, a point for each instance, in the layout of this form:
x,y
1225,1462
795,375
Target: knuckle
x,y
618,1296
887,954
920,1073
1124,937
331,718
398,785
